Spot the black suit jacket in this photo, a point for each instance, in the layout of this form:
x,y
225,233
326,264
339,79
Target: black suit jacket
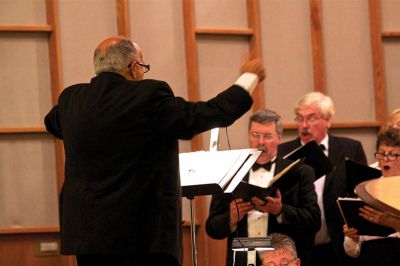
x,y
335,183
301,214
122,189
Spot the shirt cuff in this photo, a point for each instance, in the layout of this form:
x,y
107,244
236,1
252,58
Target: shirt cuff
x,y
248,81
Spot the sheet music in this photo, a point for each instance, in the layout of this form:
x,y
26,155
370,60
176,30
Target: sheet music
x,y
205,167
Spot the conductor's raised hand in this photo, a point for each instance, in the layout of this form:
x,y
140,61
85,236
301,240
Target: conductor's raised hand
x,y
253,66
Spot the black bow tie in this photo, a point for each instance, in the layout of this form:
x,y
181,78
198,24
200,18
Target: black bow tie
x,y
322,146
266,166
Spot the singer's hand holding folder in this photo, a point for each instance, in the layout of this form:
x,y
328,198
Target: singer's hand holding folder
x,y
246,191
349,208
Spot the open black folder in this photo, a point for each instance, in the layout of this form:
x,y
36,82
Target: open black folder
x,y
357,173
312,155
349,208
246,191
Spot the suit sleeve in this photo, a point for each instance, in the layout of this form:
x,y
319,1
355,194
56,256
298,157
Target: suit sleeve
x,y
52,123
183,119
305,217
360,154
217,224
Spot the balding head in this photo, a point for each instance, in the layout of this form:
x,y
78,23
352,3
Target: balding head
x,y
114,55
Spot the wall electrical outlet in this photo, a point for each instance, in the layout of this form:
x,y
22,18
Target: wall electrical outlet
x,y
47,247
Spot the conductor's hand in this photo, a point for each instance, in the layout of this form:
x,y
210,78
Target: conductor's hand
x,y
269,204
351,232
253,66
238,209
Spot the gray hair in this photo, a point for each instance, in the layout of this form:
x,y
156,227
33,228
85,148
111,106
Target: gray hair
x,y
281,242
115,58
323,102
265,116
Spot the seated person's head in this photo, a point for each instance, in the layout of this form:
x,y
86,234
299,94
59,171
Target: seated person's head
x,y
388,152
284,253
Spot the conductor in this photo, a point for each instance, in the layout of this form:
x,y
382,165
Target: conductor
x,y
121,199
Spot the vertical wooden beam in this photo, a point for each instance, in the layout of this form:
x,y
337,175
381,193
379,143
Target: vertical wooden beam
x,y
56,89
55,77
253,20
377,59
317,46
192,79
192,75
122,7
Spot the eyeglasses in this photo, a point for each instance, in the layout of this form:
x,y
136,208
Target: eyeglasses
x,y
389,156
309,119
264,136
283,262
146,67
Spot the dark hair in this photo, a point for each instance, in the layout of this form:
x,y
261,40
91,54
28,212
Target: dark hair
x,y
265,116
389,137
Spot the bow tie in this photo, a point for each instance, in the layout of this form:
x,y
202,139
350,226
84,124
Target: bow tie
x,y
322,146
266,166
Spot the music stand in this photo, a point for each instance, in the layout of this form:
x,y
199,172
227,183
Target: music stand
x,y
210,172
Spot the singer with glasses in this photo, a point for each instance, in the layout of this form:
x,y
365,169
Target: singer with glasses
x,y
293,210
374,250
313,116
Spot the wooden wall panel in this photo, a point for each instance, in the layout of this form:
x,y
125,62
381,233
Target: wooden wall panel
x,y
28,186
220,14
349,60
287,54
29,12
83,25
25,83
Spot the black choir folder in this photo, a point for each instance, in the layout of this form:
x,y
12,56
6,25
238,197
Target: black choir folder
x,y
349,208
246,191
312,155
210,172
357,173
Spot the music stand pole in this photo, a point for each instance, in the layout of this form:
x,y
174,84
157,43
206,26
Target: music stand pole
x,y
214,136
193,231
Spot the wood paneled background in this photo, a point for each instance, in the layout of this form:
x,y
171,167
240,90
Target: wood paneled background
x,y
348,49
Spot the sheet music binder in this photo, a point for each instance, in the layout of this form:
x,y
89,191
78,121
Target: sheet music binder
x,y
206,173
312,155
349,208
357,173
246,191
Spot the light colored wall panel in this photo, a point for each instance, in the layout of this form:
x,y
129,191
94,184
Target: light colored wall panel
x,y
219,63
163,47
391,51
25,79
83,25
286,49
220,13
390,15
22,12
28,189
348,59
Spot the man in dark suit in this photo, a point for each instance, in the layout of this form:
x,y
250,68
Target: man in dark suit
x,y
314,112
293,210
121,202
